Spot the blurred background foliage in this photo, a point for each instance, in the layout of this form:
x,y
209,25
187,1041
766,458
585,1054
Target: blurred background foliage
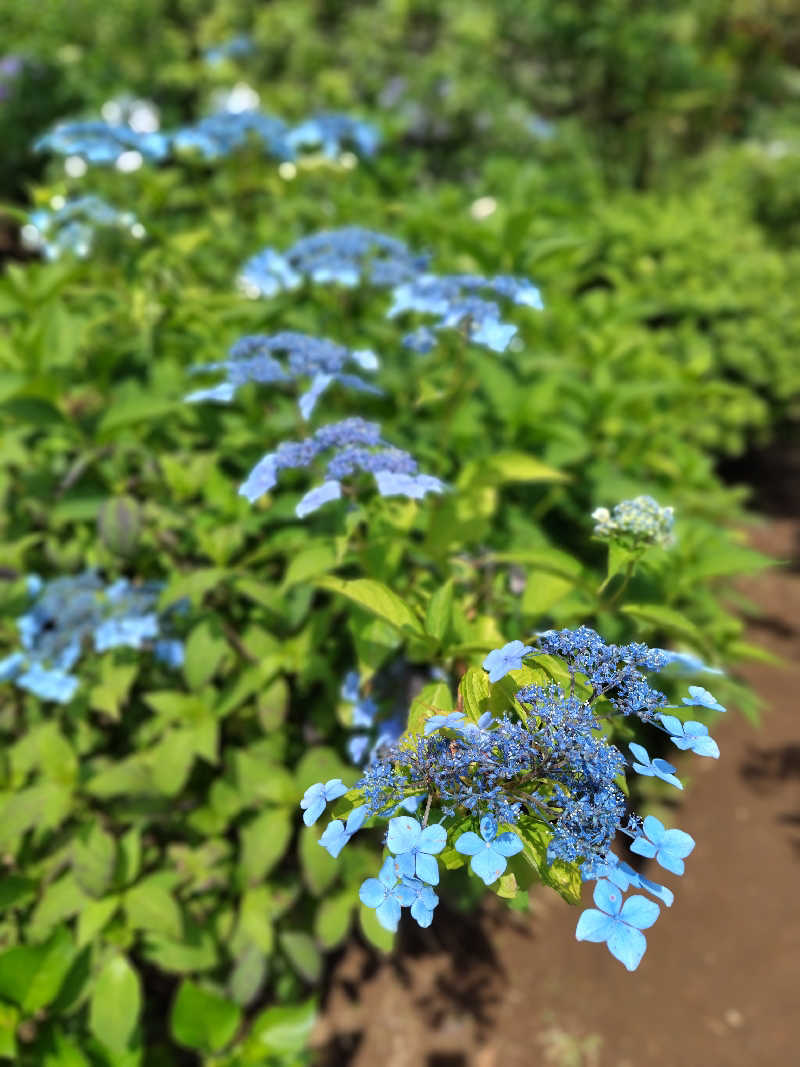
x,y
639,162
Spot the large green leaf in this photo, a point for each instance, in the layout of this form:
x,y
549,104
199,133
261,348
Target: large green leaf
x,y
150,906
115,1004
94,858
264,841
378,599
280,1032
31,975
439,613
203,1020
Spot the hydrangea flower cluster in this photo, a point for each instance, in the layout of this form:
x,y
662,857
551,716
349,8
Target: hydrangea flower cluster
x,y
69,613
349,257
358,447
540,765
71,226
636,523
252,359
352,256
103,142
459,301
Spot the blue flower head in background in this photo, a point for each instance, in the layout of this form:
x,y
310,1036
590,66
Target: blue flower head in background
x,y
331,134
358,448
71,226
536,777
349,257
68,615
254,359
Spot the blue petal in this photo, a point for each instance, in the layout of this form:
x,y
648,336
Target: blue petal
x,y
469,844
388,914
507,844
639,912
334,838
356,819
427,868
627,945
406,864
390,872
607,897
594,926
488,827
640,753
316,497
404,833
705,746
432,839
642,847
372,893
404,894
669,861
488,865
672,724
334,788
313,811
422,914
654,828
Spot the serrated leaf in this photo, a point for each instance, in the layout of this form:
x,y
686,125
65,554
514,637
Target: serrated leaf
x,y
263,843
150,906
94,857
42,806
332,919
203,1020
376,598
281,1031
302,953
309,563
431,700
112,690
31,975
474,691
565,878
204,651
439,613
378,937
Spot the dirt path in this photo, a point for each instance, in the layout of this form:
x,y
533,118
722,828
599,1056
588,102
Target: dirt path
x,y
720,984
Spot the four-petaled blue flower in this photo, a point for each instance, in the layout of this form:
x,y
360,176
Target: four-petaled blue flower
x,y
387,894
623,876
488,855
701,698
508,658
657,768
317,797
416,847
667,847
337,834
619,925
424,903
453,720
692,736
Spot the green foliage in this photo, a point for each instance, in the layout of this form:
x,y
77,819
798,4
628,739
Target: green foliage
x,y
159,895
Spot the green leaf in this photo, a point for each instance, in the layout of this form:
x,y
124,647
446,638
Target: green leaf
x,y
302,953
94,915
43,806
197,951
310,563
281,1031
255,921
247,976
565,878
9,1017
542,591
150,906
506,467
376,598
64,1054
439,614
665,619
94,857
318,866
205,649
474,690
112,690
194,585
203,1020
381,939
115,1004
263,842
318,765
31,975
619,558
332,919
430,700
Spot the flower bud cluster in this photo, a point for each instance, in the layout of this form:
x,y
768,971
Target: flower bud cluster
x,y
636,523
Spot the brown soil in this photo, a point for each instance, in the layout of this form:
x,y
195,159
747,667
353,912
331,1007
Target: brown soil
x,y
720,983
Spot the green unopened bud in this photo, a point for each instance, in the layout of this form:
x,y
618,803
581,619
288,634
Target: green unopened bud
x,y
120,524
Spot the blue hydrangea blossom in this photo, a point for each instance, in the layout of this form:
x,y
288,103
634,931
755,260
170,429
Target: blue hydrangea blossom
x,y
667,847
619,924
415,847
690,736
701,698
318,796
488,853
653,768
508,658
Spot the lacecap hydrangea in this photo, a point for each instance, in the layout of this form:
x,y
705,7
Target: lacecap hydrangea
x,y
520,782
635,523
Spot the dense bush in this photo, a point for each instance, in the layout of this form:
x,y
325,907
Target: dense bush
x,y
158,896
